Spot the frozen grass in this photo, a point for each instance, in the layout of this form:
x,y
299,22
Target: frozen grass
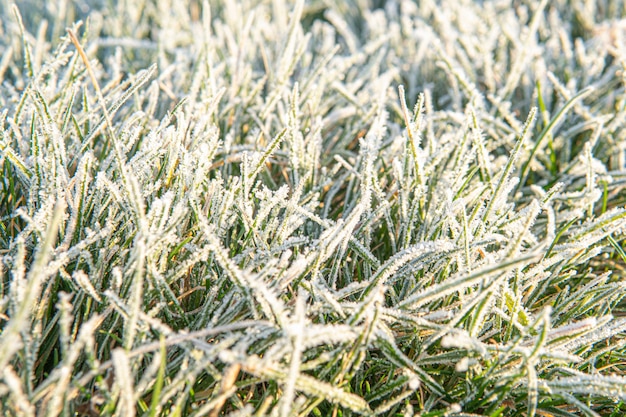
x,y
266,208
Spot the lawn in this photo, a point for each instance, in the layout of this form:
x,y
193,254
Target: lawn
x,y
313,208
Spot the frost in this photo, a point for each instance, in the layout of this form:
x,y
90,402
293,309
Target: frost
x,y
291,208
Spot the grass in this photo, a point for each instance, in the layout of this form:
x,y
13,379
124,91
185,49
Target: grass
x,y
289,209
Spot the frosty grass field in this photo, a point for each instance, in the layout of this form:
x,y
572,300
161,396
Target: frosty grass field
x,y
313,208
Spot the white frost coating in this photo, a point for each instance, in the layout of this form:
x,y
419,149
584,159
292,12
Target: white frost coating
x,y
462,365
578,327
461,339
414,382
263,195
121,366
607,329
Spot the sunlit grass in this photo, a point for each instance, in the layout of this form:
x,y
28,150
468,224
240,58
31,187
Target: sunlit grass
x,y
273,208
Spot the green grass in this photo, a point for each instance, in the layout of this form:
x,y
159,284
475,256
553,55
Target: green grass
x,y
289,209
